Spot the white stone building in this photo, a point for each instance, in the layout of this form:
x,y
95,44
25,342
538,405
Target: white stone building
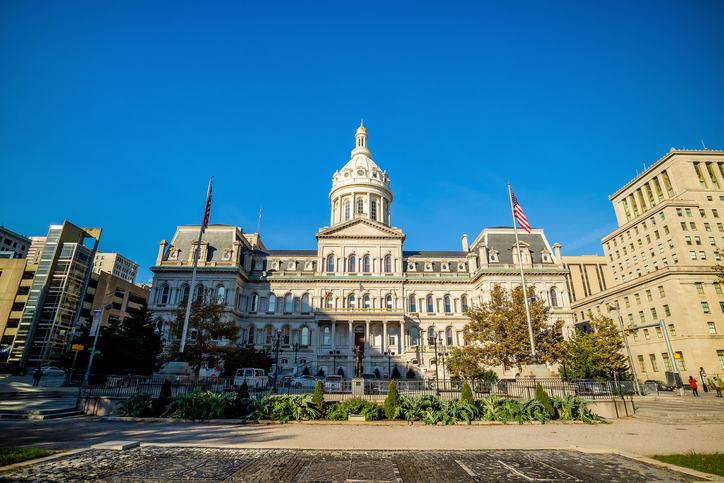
x,y
359,287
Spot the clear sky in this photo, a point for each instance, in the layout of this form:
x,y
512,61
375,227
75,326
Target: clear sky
x,y
114,114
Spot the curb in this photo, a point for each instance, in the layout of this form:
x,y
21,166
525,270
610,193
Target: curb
x,y
323,422
42,460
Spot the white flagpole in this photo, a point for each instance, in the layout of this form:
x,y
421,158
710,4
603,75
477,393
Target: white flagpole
x,y
534,359
180,357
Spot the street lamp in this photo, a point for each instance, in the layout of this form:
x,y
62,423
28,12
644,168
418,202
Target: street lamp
x,y
98,331
433,341
296,349
276,369
334,361
389,363
625,340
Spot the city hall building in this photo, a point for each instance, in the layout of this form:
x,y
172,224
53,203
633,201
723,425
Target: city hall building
x,y
359,287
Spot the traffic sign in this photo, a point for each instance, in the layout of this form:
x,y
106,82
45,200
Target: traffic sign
x,y
77,347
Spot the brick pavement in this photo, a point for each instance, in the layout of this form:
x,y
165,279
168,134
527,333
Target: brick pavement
x,y
175,464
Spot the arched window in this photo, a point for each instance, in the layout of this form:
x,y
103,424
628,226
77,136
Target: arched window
x,y
221,294
449,336
327,334
388,264
347,208
431,334
373,211
330,263
367,301
269,335
272,303
447,304
288,306
360,205
554,298
388,301
254,303
465,302
199,293
429,304
366,264
185,294
250,335
350,303
164,294
414,336
413,306
305,336
352,264
285,335
305,303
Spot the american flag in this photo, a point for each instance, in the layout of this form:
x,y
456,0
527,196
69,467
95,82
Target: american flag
x,y
518,212
207,211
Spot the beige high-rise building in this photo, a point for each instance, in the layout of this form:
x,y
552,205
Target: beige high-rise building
x,y
587,276
115,264
671,224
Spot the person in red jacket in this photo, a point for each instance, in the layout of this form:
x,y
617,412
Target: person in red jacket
x,y
694,387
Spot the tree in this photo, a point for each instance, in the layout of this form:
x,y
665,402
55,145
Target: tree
x,y
392,400
467,394
377,373
500,330
462,363
411,374
214,335
143,328
247,356
318,398
395,373
597,353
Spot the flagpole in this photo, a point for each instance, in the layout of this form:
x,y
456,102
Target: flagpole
x,y
180,357
534,359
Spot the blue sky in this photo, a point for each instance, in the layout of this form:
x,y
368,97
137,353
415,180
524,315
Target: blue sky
x,y
115,114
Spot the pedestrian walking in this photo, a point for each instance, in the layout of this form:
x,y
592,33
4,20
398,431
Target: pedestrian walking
x,y
36,377
694,387
702,376
717,385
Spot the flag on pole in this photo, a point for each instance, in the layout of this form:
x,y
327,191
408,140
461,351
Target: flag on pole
x,y
518,212
207,211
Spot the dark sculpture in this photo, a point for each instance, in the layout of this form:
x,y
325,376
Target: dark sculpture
x,y
359,354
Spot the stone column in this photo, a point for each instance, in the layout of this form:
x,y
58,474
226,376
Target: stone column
x,y
334,335
161,250
351,335
402,337
385,342
367,338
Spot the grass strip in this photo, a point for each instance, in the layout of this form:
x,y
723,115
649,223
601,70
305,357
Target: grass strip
x,y
706,463
9,456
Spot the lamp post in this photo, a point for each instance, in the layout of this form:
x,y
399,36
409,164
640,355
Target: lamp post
x,y
442,354
296,349
433,342
389,363
625,340
95,339
276,368
334,361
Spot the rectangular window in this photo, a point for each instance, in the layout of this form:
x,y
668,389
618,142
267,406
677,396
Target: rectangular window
x,y
648,296
638,299
646,334
666,230
661,248
683,226
642,316
654,365
721,306
651,252
648,238
667,312
679,212
688,212
715,213
688,240
693,255
656,265
662,293
720,355
712,327
680,361
699,288
667,362
717,287
642,364
702,255
636,260
662,216
656,234
675,258
653,314
697,240
625,301
705,307
672,330
711,241
707,227
692,225
630,319
702,213
658,333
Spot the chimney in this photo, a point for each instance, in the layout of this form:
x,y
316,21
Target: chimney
x,y
557,249
161,250
465,243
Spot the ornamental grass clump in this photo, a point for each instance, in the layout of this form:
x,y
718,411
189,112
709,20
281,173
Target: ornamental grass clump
x,y
391,401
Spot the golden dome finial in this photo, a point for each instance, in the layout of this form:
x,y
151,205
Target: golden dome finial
x,y
361,126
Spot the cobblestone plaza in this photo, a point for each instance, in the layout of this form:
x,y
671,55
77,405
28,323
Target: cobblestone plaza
x,y
157,464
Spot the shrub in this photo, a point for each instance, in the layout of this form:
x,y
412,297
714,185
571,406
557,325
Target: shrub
x,y
377,374
137,406
467,394
320,372
391,401
318,399
340,372
306,372
241,406
490,376
341,411
164,398
285,408
395,373
544,399
411,374
198,406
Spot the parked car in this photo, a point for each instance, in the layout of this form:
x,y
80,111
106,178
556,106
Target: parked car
x,y
286,381
333,383
369,376
304,381
254,377
52,371
660,385
588,387
12,369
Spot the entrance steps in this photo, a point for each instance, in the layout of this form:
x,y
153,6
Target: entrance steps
x,y
40,414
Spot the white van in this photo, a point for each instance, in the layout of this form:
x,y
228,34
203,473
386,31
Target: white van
x,y
256,378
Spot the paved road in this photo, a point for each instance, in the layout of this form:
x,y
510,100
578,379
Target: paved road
x,y
154,464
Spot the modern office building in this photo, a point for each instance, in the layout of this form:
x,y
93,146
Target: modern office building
x,y
37,243
16,277
587,275
671,228
126,296
359,287
55,295
13,245
115,264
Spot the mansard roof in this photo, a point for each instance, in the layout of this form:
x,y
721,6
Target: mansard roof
x,y
286,253
218,237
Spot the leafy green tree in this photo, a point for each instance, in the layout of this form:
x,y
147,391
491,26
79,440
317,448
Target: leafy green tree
x,y
598,353
318,399
462,363
392,400
247,356
142,328
215,334
499,329
467,394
